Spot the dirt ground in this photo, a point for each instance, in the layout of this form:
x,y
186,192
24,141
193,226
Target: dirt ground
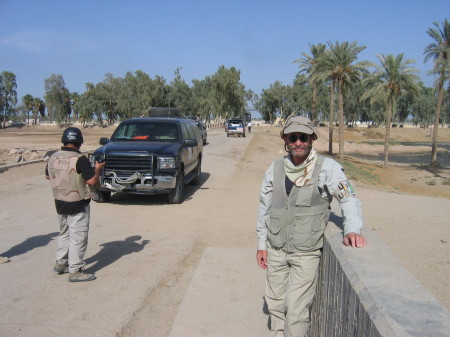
x,y
419,238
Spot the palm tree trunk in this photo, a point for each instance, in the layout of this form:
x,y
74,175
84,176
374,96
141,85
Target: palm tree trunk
x,y
387,135
341,120
314,103
436,123
331,118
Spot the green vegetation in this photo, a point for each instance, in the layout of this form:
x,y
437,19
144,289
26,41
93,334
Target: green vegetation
x,y
446,182
359,173
219,96
8,95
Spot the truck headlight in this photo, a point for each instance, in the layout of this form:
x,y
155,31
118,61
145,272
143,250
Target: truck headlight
x,y
166,163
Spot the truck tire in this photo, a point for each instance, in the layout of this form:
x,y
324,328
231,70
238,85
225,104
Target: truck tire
x,y
176,195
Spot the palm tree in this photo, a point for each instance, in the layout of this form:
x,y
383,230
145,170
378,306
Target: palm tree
x,y
38,108
439,50
338,65
331,117
28,103
307,65
386,84
322,72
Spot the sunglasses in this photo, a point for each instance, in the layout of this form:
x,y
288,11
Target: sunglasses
x,y
302,137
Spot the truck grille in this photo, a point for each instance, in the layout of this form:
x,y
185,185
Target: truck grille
x,y
130,162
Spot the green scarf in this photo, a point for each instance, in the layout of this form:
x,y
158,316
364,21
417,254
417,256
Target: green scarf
x,y
300,175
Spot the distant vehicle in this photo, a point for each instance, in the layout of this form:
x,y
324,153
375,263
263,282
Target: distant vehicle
x,y
150,155
235,126
17,124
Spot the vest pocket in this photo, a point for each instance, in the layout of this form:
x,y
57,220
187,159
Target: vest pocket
x,y
309,225
274,230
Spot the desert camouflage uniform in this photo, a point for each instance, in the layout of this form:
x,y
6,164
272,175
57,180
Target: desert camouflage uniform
x,y
72,196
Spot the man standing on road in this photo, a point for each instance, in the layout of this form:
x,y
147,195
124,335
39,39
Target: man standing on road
x,y
294,209
71,174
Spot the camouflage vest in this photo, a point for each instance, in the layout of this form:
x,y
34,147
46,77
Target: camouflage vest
x,y
297,221
67,184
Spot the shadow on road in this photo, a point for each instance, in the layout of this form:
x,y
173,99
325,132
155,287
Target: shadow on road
x,y
113,251
30,244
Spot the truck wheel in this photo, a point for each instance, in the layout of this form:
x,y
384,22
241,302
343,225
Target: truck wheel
x,y
103,196
198,173
176,195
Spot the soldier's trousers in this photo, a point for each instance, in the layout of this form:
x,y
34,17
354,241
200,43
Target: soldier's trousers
x,y
290,289
73,239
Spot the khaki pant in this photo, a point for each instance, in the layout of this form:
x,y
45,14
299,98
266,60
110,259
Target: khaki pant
x,y
290,289
73,239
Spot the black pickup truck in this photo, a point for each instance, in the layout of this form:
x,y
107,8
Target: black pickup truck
x,y
150,155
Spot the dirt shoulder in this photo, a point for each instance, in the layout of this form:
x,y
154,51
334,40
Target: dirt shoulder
x,y
409,157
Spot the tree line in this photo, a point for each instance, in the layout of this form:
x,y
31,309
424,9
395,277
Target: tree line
x,y
219,96
331,86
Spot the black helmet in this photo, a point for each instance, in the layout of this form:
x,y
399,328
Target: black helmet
x,y
72,135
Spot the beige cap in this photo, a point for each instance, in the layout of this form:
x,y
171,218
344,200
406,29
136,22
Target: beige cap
x,y
299,124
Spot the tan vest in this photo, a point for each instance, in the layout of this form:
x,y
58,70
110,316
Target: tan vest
x,y
297,221
67,184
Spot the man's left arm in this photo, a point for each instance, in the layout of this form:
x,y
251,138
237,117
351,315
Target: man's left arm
x,y
336,184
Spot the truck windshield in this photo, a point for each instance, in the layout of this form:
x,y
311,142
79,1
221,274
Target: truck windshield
x,y
147,131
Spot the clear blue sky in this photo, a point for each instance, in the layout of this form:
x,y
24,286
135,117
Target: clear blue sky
x,y
83,40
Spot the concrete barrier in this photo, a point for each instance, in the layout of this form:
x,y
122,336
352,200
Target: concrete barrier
x,y
22,163
361,293
367,292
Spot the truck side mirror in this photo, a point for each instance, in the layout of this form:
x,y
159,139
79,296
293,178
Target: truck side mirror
x,y
104,140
